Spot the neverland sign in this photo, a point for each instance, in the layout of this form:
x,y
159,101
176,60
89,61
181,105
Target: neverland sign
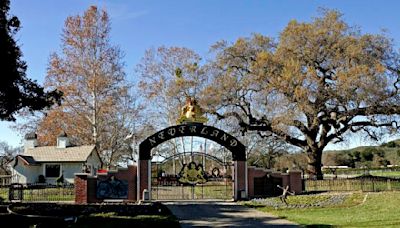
x,y
193,129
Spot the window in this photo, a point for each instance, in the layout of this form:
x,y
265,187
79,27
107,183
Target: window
x,y
52,170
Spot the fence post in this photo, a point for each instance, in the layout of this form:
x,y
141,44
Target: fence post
x,y
347,184
389,186
362,184
373,185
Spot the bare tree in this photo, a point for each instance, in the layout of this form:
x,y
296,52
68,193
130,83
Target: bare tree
x,y
7,154
98,106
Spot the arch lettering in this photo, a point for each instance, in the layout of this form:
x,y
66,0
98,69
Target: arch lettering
x,y
193,129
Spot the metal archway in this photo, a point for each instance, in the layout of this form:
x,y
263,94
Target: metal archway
x,y
214,134
219,136
194,153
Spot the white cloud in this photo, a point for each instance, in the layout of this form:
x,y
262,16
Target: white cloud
x,y
122,11
129,15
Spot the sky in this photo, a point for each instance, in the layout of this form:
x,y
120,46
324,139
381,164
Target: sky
x,y
197,24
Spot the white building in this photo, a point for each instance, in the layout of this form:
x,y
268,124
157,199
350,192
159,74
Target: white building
x,y
48,163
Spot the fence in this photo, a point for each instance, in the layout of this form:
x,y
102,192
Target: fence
x,y
361,184
38,192
5,180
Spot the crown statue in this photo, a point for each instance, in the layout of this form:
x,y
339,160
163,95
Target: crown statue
x,y
191,112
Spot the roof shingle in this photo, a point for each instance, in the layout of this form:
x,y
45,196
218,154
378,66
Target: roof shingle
x,y
54,154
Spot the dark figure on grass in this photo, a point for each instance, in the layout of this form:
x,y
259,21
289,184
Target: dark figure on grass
x,y
286,191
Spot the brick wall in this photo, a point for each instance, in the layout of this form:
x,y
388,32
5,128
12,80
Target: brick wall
x,y
293,179
295,182
254,172
86,185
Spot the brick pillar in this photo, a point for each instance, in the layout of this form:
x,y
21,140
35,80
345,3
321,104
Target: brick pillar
x,y
240,184
295,181
132,182
250,181
144,178
81,188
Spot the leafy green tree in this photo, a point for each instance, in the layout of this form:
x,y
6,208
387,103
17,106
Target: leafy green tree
x,y
390,144
16,90
367,155
317,83
356,156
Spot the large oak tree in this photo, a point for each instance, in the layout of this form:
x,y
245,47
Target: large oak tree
x,y
314,85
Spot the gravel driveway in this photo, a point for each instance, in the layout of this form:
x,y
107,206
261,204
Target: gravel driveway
x,y
223,214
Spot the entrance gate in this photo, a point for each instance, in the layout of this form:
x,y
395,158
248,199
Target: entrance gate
x,y
239,167
206,177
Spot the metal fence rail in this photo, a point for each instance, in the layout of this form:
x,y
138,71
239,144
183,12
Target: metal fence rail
x,y
363,184
38,192
5,180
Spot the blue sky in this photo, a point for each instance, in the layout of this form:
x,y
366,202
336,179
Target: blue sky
x,y
139,25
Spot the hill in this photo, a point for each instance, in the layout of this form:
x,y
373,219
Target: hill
x,y
384,154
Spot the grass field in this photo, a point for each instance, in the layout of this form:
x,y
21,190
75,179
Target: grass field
x,y
385,174
378,210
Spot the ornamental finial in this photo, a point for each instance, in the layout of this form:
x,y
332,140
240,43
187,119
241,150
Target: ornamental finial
x,y
191,112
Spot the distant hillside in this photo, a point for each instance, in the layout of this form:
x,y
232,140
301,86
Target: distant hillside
x,y
389,151
389,146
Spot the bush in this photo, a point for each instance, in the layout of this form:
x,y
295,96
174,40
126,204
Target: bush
x,y
41,179
390,144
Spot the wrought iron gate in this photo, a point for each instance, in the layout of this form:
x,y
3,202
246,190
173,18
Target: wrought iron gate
x,y
192,182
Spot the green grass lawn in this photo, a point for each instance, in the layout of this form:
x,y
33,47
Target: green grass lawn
x,y
385,174
46,194
379,210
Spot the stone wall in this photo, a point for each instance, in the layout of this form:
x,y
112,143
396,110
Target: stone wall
x,y
292,179
86,185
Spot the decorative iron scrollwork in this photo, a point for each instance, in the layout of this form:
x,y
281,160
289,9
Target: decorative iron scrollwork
x,y
192,174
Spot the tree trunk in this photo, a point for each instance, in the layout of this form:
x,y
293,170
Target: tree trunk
x,y
314,167
94,120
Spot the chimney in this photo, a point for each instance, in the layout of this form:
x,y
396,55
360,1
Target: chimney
x,y
30,141
62,140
